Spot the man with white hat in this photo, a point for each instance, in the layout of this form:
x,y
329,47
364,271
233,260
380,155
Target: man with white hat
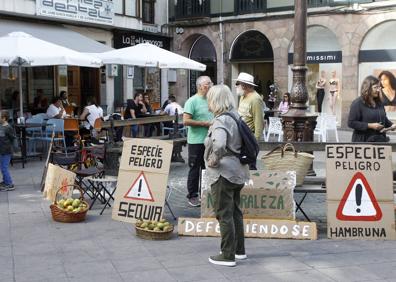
x,y
250,104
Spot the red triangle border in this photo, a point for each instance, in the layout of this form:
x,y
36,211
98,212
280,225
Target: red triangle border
x,y
377,208
133,184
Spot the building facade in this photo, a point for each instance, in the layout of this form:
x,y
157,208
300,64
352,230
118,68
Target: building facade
x,y
89,26
344,40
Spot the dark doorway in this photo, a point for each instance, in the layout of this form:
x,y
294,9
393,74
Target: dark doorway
x,y
204,52
89,81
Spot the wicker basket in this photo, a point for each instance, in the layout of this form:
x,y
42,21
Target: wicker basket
x,y
61,215
285,158
153,235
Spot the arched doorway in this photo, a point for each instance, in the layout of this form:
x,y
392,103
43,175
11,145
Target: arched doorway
x,y
204,52
252,52
378,53
323,55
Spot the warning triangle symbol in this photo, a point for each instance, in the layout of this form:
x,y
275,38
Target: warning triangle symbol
x,y
359,202
140,189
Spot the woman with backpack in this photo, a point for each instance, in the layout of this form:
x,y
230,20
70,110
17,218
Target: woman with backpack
x,y
226,174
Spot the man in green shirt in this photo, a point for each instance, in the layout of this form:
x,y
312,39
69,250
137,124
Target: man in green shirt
x,y
198,119
250,106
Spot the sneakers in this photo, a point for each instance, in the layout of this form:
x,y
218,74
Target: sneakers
x,y
239,257
220,260
194,202
6,187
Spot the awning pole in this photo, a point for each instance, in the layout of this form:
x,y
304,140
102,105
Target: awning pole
x,y
20,90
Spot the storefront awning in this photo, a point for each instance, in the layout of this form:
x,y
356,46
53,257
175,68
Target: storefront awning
x,y
54,33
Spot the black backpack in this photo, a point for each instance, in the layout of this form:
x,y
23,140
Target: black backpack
x,y
250,147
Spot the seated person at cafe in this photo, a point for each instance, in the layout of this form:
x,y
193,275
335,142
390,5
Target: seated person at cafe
x,y
90,114
63,97
148,128
170,109
55,110
146,101
165,104
135,109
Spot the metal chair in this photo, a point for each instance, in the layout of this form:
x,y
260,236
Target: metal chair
x,y
58,126
33,133
90,165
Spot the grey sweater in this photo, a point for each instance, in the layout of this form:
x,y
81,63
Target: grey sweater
x,y
223,138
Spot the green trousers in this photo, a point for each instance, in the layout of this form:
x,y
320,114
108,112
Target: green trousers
x,y
226,197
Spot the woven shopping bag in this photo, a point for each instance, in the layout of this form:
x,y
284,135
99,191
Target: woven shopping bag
x,y
285,158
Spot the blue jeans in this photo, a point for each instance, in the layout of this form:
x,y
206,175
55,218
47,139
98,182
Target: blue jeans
x,y
5,162
135,130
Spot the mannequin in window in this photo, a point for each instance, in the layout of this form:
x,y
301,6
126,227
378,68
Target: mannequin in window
x,y
388,95
320,90
334,90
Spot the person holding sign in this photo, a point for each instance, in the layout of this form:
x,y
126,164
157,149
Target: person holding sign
x,y
198,119
367,115
226,174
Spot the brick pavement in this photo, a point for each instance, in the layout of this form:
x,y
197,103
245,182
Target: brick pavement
x,y
34,248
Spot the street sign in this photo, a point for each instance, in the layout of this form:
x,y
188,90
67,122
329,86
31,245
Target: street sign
x,y
142,180
359,183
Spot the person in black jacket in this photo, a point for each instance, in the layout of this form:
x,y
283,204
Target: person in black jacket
x,y
367,115
6,140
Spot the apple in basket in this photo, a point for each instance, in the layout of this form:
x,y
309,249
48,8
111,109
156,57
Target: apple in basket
x,y
157,226
72,205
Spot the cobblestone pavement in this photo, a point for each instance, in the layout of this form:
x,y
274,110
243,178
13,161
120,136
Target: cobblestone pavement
x,y
34,248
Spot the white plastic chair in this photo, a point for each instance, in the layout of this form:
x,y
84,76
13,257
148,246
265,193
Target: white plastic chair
x,y
275,127
331,124
320,129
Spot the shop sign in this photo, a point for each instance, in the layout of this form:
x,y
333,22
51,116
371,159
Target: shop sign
x,y
142,180
359,192
320,57
127,39
254,228
93,11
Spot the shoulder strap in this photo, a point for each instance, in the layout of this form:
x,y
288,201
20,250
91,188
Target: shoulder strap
x,y
230,115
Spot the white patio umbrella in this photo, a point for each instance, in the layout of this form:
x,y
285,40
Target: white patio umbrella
x,y
23,50
149,55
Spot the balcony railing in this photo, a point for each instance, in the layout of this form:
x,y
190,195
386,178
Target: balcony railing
x,y
318,3
250,6
186,9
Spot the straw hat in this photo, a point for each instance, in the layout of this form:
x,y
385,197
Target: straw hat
x,y
245,78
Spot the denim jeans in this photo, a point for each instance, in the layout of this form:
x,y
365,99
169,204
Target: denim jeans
x,y
5,162
226,197
135,130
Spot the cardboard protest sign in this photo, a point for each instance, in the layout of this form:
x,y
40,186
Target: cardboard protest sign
x,y
359,192
56,178
269,194
142,180
254,228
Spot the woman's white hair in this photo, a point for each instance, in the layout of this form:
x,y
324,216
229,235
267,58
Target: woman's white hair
x,y
220,99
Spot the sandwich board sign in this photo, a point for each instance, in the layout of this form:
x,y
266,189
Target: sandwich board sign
x,y
142,180
360,203
268,194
